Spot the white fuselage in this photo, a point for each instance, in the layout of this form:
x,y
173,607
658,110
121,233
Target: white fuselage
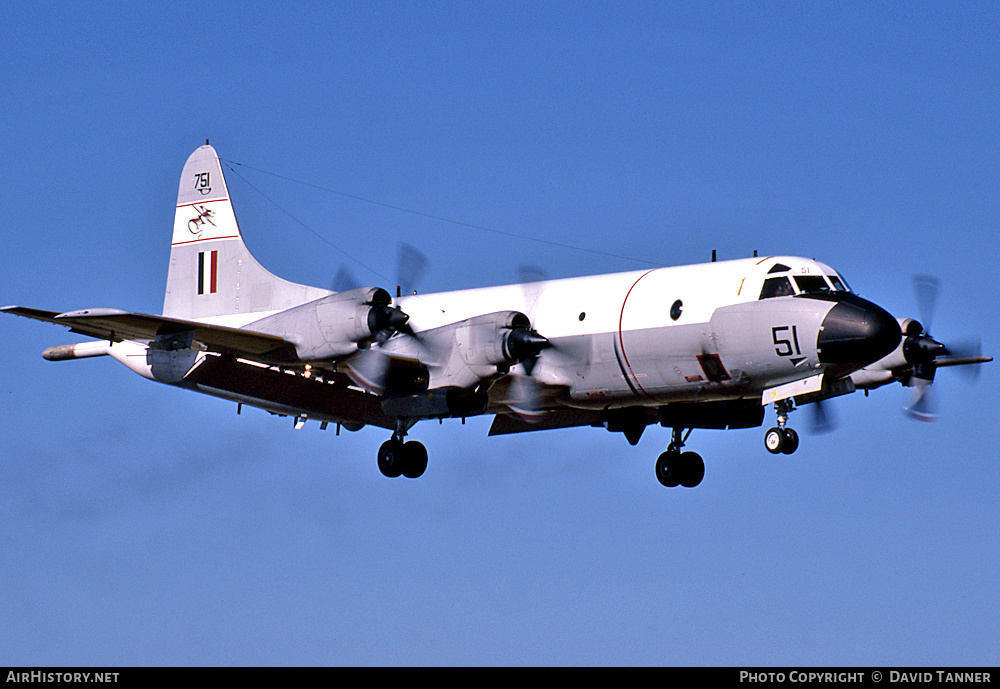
x,y
643,336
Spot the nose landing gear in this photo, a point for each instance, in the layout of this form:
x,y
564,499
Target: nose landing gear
x,y
782,440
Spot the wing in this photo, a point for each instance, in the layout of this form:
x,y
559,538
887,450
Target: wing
x,y
115,325
326,398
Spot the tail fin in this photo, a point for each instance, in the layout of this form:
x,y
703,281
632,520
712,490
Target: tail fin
x,y
212,273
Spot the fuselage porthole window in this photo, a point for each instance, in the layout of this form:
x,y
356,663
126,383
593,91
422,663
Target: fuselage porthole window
x,y
675,310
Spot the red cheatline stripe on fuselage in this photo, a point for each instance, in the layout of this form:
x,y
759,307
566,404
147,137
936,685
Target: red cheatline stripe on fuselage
x,y
630,377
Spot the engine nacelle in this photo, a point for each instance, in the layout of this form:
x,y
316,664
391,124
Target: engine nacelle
x,y
332,327
480,347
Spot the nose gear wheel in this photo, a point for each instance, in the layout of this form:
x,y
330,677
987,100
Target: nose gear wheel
x,y
781,439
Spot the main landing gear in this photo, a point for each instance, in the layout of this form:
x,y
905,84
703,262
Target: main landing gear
x,y
782,440
399,458
396,458
675,468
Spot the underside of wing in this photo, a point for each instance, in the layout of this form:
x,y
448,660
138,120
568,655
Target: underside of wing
x,y
327,399
504,424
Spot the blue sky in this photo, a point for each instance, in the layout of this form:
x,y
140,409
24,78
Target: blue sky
x,y
140,524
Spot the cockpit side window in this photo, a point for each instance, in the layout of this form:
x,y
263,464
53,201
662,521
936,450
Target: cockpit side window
x,y
776,287
839,285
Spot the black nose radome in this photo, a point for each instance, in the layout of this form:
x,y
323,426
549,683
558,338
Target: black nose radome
x,y
856,331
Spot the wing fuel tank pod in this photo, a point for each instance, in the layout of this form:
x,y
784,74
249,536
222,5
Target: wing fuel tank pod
x,y
81,350
856,332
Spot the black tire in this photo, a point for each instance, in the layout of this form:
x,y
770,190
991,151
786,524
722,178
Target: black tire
x,y
415,459
391,458
791,443
667,469
692,468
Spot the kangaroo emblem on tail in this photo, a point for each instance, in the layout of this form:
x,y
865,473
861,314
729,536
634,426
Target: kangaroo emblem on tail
x,y
204,216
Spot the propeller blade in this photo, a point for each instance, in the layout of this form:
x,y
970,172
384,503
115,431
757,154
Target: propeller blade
x,y
927,288
411,266
822,420
433,350
971,348
922,406
528,274
344,281
525,398
368,368
531,279
964,355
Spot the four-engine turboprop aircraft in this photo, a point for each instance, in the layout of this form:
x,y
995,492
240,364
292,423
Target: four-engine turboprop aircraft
x,y
701,346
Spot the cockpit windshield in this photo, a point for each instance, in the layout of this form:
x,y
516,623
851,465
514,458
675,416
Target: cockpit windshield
x,y
788,283
811,284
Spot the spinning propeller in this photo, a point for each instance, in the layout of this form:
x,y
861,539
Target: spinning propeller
x,y
385,321
394,362
917,360
525,391
822,418
370,367
925,354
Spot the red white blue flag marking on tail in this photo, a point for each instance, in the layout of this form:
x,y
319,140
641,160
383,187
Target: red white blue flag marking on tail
x,y
208,271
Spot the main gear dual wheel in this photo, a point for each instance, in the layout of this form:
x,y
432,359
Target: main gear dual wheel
x,y
675,468
396,458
